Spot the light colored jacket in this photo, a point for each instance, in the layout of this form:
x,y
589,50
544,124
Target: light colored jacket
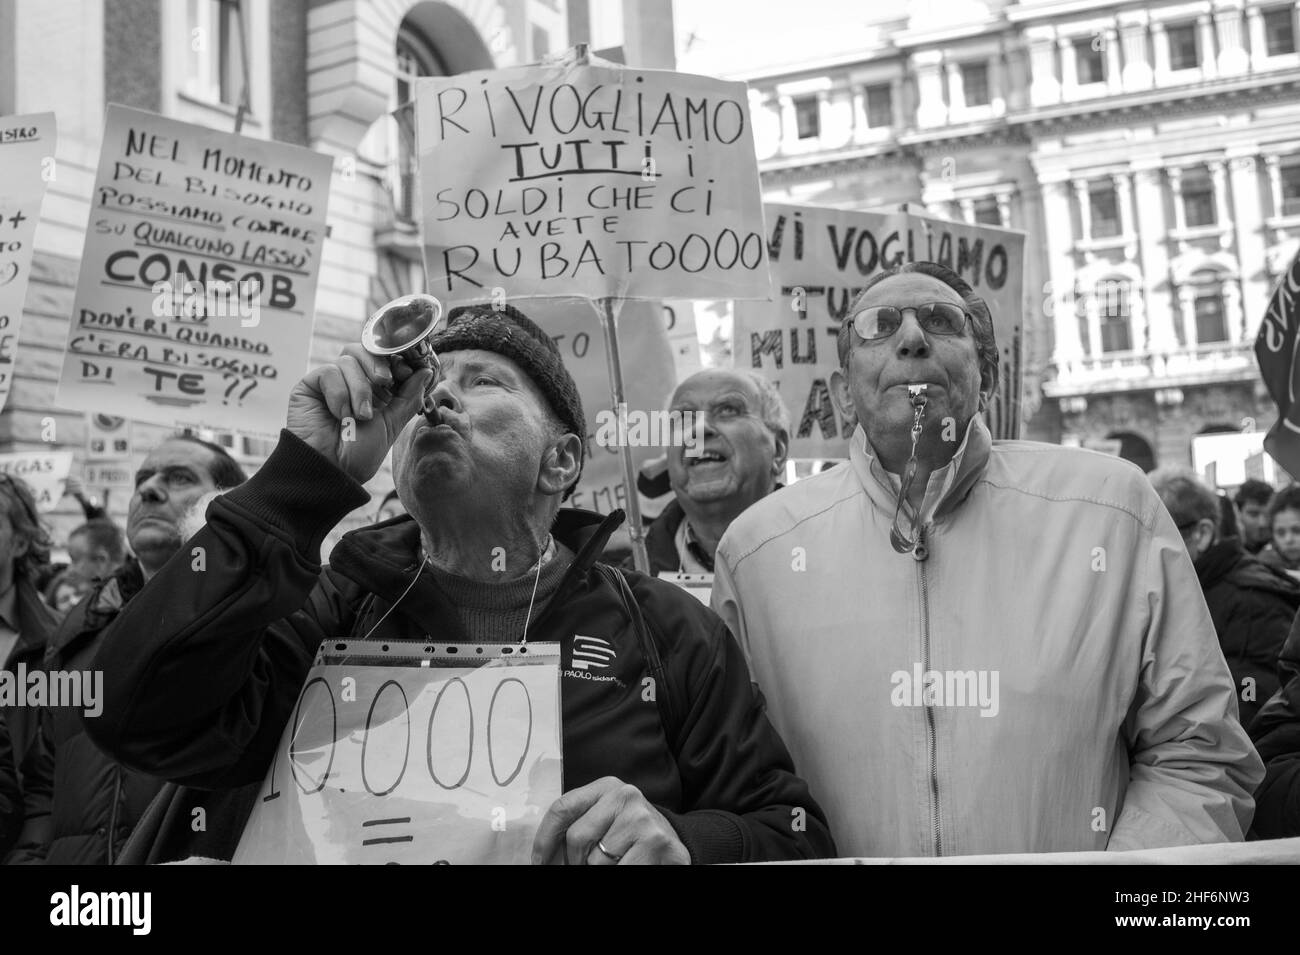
x,y
1056,602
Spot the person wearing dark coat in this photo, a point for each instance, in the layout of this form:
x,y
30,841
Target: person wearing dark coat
x,y
80,804
1275,732
203,671
1252,604
26,623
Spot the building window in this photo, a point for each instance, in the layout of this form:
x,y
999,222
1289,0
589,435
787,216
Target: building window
x,y
1113,313
1183,53
986,211
975,84
807,117
541,42
414,57
215,66
1104,209
1211,325
880,106
1198,202
1290,176
1279,31
1089,64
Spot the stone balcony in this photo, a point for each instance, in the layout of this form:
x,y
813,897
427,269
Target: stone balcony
x,y
1144,371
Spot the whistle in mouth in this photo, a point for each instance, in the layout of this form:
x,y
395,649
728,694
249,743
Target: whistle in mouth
x,y
916,393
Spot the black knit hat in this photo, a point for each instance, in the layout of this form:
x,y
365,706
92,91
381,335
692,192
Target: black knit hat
x,y
507,331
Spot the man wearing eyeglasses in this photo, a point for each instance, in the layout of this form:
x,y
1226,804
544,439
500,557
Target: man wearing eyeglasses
x,y
979,647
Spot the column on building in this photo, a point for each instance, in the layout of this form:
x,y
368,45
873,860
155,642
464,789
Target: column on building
x,y
932,109
1044,88
789,122
1274,165
1153,258
1160,44
1004,209
1205,27
1232,54
1248,218
967,207
1060,266
1222,215
1084,199
1069,68
956,88
1114,73
1176,190
1258,43
1124,199
1133,37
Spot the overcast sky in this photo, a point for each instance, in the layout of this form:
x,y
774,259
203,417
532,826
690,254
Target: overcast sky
x,y
725,37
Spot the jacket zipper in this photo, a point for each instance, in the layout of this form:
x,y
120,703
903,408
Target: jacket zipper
x,y
921,554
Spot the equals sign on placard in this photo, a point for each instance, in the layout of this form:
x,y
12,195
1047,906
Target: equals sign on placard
x,y
378,840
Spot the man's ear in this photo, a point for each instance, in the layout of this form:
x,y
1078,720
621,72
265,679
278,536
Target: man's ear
x,y
560,465
843,397
782,452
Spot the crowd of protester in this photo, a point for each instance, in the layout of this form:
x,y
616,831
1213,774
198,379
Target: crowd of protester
x,y
1146,629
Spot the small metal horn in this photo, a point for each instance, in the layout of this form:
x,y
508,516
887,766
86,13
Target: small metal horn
x,y
401,330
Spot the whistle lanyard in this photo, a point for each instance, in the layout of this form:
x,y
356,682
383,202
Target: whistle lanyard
x,y
906,543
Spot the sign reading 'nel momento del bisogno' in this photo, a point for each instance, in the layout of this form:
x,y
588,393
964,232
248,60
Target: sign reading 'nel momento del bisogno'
x,y
197,289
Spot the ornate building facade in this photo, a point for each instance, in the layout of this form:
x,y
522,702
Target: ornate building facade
x,y
1150,151
332,75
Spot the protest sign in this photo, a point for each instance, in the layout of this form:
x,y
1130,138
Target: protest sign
x,y
1275,351
821,258
26,163
108,438
197,289
451,755
109,475
581,177
44,471
648,379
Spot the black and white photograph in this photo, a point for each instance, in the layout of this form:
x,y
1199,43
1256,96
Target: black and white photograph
x,y
651,432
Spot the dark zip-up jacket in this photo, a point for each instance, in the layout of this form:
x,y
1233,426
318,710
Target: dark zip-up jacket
x,y
1276,734
1252,606
80,804
203,668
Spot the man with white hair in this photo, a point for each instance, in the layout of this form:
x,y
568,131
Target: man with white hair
x,y
744,428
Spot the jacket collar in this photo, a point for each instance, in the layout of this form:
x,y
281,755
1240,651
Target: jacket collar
x,y
36,622
384,558
98,609
947,487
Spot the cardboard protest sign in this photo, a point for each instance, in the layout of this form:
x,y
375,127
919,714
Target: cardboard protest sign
x,y
648,380
45,472
108,438
455,761
821,258
579,177
1275,350
197,290
26,158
